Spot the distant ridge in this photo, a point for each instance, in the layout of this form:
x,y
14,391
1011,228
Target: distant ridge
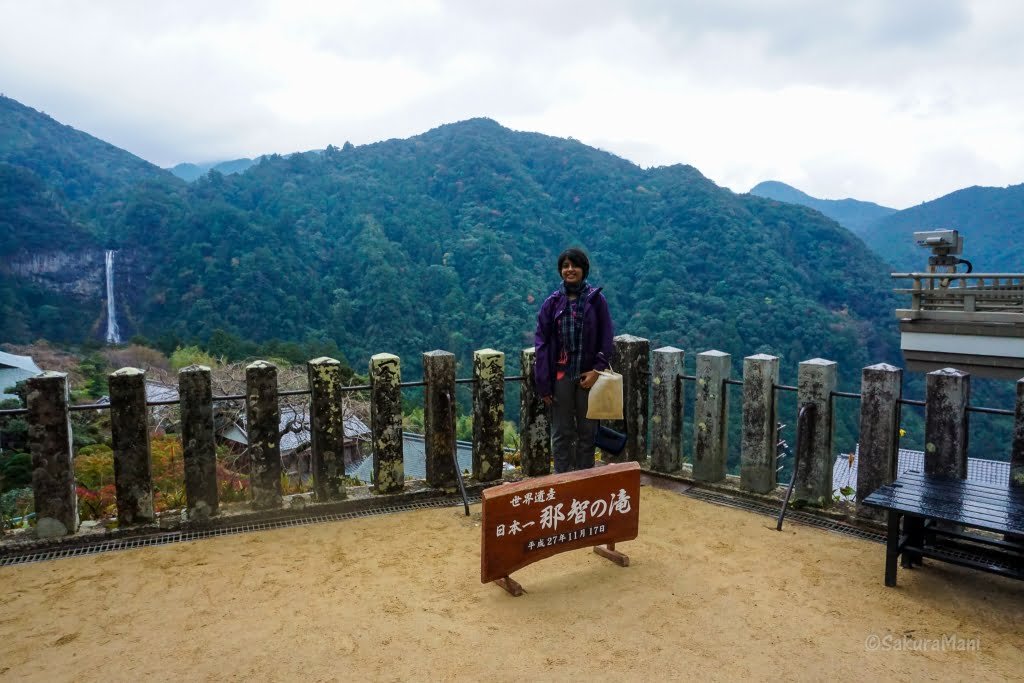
x,y
854,215
991,219
191,172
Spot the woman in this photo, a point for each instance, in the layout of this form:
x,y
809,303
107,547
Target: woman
x,y
573,341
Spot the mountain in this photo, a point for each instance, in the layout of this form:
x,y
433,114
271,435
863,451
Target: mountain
x,y
448,240
60,190
190,172
73,164
991,220
854,215
444,240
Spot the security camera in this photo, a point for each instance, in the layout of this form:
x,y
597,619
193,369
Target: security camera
x,y
942,242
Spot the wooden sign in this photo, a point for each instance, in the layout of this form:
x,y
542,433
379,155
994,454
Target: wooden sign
x,y
543,516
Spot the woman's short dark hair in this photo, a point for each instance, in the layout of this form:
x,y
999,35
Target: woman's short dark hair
x,y
578,259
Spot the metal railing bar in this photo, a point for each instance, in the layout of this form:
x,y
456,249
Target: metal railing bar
x,y
911,402
990,411
846,394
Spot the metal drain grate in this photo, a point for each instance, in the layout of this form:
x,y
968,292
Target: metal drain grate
x,y
795,515
821,523
183,536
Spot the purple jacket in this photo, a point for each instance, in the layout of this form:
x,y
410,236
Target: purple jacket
x,y
597,337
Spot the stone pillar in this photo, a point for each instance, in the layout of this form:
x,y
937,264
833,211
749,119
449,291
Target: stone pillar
x,y
263,425
710,416
439,418
881,388
195,387
947,395
534,422
49,437
386,423
129,432
488,414
816,380
633,360
759,447
327,428
1017,454
667,410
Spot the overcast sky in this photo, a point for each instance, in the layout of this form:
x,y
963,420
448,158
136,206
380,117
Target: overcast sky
x,y
892,101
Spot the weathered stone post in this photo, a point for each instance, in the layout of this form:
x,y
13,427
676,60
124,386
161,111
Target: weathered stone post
x,y
129,432
1017,454
386,423
327,428
534,422
439,418
49,437
947,395
263,424
195,389
881,388
488,414
816,380
633,360
667,410
758,449
710,416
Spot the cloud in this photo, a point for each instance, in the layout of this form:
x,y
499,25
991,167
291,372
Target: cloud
x,y
855,98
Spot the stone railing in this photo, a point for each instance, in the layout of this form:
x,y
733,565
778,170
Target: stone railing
x,y
653,419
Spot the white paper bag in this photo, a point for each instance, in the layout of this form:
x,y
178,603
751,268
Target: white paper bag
x,y
605,401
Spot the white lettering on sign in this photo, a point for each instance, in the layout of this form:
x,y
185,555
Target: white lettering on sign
x,y
539,543
579,511
551,516
539,496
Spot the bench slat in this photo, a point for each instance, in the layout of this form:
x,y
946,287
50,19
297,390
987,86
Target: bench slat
x,y
953,500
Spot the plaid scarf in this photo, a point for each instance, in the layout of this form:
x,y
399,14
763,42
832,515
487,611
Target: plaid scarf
x,y
570,333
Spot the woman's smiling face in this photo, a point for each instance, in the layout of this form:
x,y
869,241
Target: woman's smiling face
x,y
571,273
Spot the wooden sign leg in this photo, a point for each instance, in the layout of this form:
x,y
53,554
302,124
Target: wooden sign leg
x,y
612,554
511,585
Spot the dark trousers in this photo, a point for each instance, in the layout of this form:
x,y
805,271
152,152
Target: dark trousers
x,y
572,434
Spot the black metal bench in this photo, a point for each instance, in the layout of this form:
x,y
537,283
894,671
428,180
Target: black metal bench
x,y
936,512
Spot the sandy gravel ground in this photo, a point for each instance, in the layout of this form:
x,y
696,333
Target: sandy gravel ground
x,y
712,594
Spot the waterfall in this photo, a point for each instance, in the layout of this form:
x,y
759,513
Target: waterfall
x,y
113,334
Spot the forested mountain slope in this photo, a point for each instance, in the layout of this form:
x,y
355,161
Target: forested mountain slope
x,y
448,240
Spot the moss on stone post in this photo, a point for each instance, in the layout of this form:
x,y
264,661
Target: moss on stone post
x,y
816,380
129,432
667,410
534,422
881,388
327,428
1017,454
633,360
49,437
263,424
710,416
947,395
439,418
195,387
758,454
386,423
488,414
